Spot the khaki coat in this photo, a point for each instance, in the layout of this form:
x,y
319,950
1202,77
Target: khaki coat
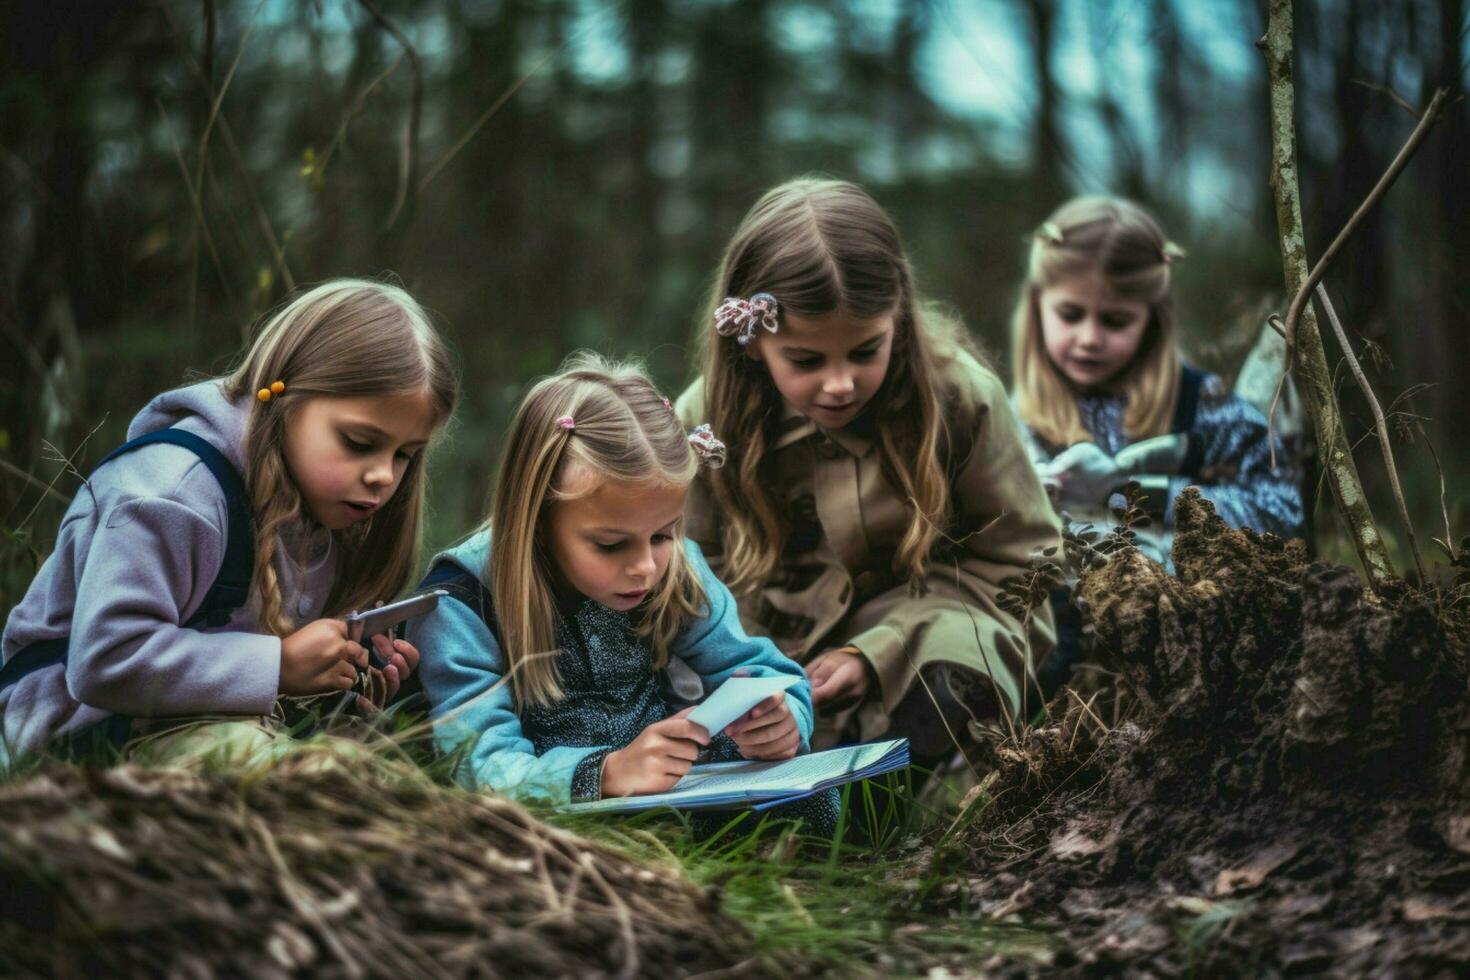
x,y
835,584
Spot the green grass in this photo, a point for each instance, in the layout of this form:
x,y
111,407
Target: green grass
x,y
844,905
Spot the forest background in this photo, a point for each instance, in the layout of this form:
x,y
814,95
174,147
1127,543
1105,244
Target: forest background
x,y
553,174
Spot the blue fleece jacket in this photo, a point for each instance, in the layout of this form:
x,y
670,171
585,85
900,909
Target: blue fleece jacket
x,y
463,667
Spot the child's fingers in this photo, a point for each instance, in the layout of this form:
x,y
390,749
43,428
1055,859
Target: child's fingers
x,y
683,728
767,734
384,646
391,681
410,655
365,706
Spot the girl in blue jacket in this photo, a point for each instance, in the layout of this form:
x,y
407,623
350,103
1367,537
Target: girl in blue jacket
x,y
554,662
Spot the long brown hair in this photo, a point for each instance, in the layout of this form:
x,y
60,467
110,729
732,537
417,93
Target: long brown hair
x,y
345,338
625,431
1122,241
819,246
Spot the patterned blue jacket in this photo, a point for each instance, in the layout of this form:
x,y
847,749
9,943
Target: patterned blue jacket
x,y
554,753
1229,459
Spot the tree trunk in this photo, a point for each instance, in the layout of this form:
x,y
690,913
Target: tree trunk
x,y
1309,367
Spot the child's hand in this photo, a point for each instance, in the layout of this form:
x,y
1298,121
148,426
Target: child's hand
x,y
319,659
839,678
767,731
401,658
656,759
1083,475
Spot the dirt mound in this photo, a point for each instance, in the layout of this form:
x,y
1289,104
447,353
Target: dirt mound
x,y
312,870
1291,796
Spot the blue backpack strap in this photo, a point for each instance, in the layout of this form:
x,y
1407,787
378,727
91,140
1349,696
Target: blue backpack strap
x,y
1187,407
231,586
464,587
1186,411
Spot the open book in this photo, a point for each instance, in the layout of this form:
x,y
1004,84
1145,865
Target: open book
x,y
762,785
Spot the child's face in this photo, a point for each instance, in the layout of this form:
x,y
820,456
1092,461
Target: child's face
x,y
1090,333
613,544
347,455
828,367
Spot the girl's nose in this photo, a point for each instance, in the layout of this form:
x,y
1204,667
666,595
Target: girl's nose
x,y
1090,334
380,474
838,383
643,564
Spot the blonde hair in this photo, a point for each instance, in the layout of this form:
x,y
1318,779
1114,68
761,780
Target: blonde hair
x,y
345,338
820,246
625,431
1122,241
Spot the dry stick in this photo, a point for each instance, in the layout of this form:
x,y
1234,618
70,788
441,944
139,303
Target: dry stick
x,y
352,111
1304,291
1380,422
1449,544
479,123
408,172
47,489
66,464
302,903
198,205
277,254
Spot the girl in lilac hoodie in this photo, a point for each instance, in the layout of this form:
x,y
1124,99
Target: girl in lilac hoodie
x,y
200,571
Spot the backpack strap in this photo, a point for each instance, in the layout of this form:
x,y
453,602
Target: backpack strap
x,y
231,586
464,587
1187,407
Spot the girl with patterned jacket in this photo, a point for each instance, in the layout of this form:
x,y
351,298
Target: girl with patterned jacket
x,y
550,667
1099,384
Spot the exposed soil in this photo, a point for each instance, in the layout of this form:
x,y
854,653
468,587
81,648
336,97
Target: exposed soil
x,y
1290,797
313,870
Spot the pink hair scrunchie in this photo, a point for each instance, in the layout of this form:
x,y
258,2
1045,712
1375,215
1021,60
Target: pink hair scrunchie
x,y
740,318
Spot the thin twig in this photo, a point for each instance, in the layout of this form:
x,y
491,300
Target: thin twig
x,y
408,171
352,111
484,117
67,465
1303,294
1379,421
198,205
46,488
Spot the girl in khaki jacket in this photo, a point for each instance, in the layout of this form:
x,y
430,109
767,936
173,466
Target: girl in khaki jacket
x,y
878,493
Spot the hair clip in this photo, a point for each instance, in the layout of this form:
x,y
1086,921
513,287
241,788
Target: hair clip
x,y
266,394
667,404
740,318
1049,232
566,422
1172,253
709,449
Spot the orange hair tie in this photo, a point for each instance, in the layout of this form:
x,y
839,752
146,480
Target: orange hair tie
x,y
266,394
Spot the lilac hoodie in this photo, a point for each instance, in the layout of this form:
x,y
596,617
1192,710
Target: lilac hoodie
x,y
134,558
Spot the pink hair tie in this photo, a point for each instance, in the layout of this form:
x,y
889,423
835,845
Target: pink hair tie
x,y
740,318
567,422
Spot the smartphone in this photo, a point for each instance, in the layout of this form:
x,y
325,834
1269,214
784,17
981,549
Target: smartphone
x,y
363,626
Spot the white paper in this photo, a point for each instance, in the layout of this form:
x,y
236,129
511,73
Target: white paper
x,y
735,697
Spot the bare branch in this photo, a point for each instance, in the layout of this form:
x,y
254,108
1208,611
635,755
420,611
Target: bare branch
x,y
409,171
1380,422
485,116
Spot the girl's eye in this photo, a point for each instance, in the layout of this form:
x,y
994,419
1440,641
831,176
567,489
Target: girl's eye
x,y
662,538
806,363
1070,314
864,355
406,457
614,546
1117,321
355,446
